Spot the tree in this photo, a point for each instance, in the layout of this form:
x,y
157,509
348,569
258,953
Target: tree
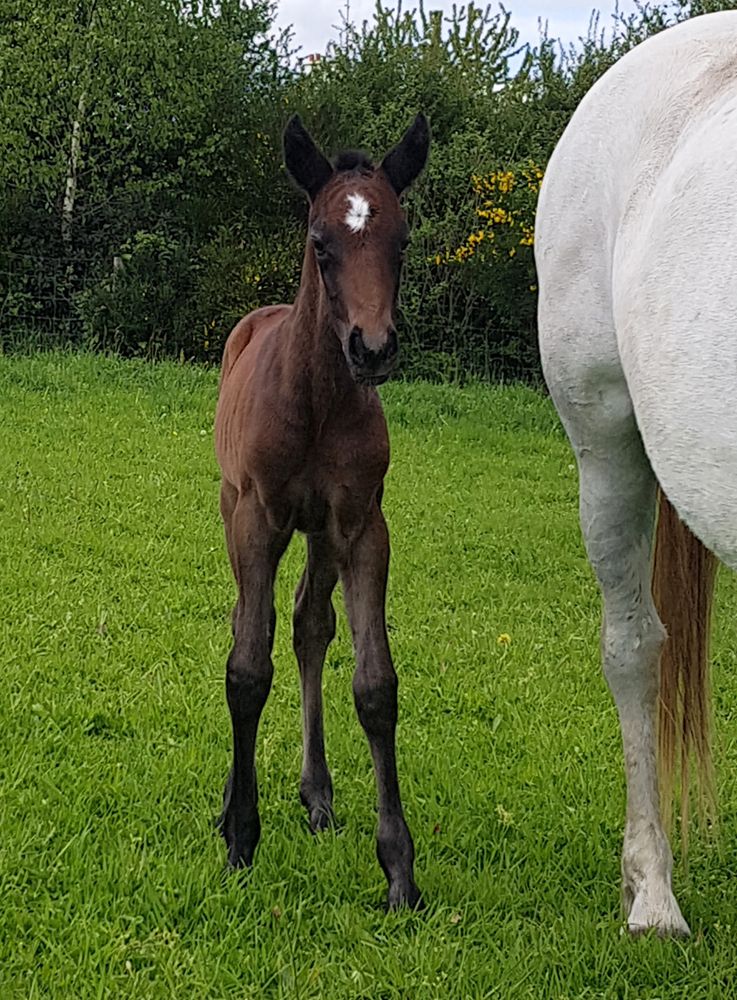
x,y
109,102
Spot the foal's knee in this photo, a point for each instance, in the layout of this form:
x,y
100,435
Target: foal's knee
x,y
248,677
375,696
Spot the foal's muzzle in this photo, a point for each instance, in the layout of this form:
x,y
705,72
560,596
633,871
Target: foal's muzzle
x,y
369,366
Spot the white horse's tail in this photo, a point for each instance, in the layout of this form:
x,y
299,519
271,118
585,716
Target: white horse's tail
x,y
684,572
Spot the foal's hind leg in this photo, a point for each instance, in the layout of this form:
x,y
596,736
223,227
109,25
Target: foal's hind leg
x,y
364,577
314,628
255,550
617,505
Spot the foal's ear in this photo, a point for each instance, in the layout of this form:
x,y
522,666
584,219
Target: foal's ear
x,y
405,162
304,161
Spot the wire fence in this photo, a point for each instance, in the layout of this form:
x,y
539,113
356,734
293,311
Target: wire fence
x,y
40,295
44,303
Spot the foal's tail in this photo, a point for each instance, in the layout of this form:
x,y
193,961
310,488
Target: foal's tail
x,y
684,571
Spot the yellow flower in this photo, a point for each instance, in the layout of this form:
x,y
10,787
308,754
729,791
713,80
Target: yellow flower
x,y
528,237
506,818
505,182
504,639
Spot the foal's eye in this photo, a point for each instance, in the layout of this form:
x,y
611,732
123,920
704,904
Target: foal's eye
x,y
320,248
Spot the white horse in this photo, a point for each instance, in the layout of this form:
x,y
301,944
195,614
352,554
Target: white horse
x,y
636,249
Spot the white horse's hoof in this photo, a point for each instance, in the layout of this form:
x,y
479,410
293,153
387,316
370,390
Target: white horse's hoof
x,y
657,913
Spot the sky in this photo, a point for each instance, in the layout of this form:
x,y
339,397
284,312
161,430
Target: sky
x,y
316,22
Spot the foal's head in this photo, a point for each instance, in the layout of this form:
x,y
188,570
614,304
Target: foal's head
x,y
358,234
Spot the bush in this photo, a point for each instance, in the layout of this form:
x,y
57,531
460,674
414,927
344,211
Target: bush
x,y
240,271
142,306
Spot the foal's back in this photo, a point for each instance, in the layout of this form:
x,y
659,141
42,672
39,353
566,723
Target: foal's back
x,y
636,246
250,401
247,332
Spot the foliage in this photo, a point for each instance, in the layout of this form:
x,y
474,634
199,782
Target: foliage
x,y
146,293
168,100
163,117
178,295
496,260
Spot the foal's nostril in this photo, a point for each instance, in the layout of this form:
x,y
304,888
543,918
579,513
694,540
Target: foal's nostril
x,y
392,345
356,348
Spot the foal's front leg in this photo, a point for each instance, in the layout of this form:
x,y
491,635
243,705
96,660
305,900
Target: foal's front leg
x,y
364,577
314,628
255,549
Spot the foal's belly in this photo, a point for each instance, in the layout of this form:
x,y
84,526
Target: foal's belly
x,y
317,505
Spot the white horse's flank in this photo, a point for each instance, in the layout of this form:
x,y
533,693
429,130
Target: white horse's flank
x,y
636,249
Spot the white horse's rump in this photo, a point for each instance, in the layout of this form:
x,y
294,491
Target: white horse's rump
x,y
636,245
636,249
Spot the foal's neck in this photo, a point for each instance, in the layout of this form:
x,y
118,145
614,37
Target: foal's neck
x,y
317,366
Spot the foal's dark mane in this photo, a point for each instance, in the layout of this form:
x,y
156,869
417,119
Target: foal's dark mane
x,y
348,160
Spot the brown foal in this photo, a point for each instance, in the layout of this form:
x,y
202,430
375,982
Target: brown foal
x,y
303,445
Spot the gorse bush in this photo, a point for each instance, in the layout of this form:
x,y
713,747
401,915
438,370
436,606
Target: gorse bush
x,y
144,203
496,261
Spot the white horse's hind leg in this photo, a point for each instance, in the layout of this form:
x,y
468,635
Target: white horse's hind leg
x,y
617,506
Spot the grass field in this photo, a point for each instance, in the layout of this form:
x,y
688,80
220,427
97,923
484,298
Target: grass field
x,y
115,737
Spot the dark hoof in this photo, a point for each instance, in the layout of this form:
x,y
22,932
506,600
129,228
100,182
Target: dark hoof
x,y
241,838
321,818
319,806
241,848
403,895
241,845
238,859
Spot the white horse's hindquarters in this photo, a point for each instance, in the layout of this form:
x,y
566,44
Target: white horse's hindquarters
x,y
637,294
674,287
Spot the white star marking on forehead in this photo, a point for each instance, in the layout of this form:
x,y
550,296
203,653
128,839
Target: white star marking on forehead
x,y
358,214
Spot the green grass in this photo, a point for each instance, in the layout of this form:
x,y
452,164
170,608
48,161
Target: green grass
x,y
115,738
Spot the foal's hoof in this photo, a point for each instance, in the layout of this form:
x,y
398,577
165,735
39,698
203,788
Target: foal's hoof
x,y
237,862
241,845
240,849
321,818
319,806
241,840
403,895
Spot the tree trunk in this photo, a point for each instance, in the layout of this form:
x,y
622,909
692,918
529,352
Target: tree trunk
x,y
70,187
